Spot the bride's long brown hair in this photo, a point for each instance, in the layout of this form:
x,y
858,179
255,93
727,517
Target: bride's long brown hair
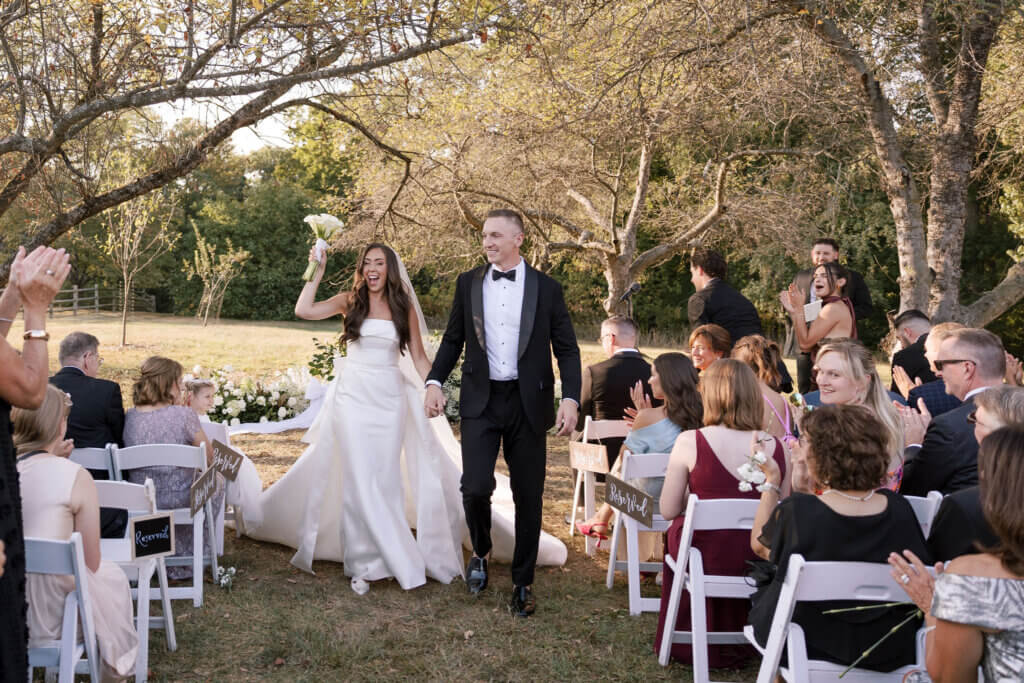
x,y
398,299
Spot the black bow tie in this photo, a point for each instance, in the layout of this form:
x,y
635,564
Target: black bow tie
x,y
497,275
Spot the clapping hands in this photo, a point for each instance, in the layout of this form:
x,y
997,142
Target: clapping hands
x,y
792,298
917,581
903,381
915,422
39,275
1014,373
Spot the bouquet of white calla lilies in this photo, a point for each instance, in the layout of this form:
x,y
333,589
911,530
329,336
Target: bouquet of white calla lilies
x,y
325,226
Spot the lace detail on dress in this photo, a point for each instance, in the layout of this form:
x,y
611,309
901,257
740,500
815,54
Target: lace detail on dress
x,y
991,604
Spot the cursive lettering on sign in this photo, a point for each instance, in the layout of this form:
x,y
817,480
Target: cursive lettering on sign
x,y
226,460
629,500
143,540
202,490
588,457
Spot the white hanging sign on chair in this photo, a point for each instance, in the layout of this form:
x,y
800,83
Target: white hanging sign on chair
x,y
589,457
202,490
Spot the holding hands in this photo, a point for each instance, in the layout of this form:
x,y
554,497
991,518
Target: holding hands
x,y
434,401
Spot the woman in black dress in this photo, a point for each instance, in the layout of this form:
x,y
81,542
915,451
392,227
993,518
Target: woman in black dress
x,y
35,279
853,519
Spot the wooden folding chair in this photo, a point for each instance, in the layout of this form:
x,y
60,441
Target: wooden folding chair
x,y
138,499
688,568
817,581
593,430
636,466
176,455
78,634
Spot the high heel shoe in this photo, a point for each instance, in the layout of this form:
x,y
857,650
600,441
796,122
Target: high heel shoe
x,y
591,530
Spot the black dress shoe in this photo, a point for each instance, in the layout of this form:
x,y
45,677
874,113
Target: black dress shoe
x,y
522,603
476,575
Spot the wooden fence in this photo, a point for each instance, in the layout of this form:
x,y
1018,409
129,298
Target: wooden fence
x,y
77,299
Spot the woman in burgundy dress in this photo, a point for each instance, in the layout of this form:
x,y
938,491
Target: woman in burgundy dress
x,y
705,462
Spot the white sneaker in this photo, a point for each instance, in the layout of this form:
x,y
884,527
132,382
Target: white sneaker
x,y
360,587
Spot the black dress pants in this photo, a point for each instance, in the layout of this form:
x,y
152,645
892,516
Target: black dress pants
x,y
503,424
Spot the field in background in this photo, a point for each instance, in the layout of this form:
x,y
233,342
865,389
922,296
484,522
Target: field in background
x,y
281,624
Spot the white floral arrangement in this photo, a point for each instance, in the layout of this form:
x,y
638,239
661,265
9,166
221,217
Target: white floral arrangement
x,y
226,577
751,476
238,400
325,226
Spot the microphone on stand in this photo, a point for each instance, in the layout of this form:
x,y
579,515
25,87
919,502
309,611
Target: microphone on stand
x,y
633,289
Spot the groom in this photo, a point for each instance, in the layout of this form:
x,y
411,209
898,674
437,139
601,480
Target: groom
x,y
509,317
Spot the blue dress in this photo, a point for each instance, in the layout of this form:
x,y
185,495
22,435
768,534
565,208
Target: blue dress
x,y
658,437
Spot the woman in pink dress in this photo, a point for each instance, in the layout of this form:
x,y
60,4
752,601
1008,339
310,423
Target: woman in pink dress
x,y
705,462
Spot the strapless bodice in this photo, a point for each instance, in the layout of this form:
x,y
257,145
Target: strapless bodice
x,y
377,344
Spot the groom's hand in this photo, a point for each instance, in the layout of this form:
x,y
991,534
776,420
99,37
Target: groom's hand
x,y
567,417
434,402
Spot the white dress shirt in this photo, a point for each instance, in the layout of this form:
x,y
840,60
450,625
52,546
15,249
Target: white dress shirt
x,y
503,308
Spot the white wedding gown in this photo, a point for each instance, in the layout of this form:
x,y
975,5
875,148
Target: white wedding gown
x,y
375,468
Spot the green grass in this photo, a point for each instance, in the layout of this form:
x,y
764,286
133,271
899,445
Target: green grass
x,y
281,624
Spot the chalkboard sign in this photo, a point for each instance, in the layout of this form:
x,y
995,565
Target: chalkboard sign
x,y
226,460
202,490
152,535
589,457
629,500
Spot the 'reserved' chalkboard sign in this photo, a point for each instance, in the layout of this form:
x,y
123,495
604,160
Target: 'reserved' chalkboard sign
x,y
152,535
202,490
226,460
629,500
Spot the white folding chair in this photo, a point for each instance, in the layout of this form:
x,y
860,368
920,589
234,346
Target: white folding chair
x,y
94,459
816,581
138,499
635,466
688,568
176,455
925,508
219,431
43,556
593,430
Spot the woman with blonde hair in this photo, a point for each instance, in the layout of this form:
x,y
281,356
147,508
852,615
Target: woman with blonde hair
x,y
59,498
160,416
705,462
846,375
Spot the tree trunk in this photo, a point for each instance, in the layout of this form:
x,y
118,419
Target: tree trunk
x,y
616,274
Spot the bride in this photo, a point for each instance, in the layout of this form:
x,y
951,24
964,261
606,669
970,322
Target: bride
x,y
376,466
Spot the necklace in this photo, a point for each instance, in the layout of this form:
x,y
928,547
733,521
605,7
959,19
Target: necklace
x,y
847,495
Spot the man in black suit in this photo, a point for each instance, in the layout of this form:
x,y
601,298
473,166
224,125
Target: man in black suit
x,y
826,250
509,318
969,361
719,303
97,413
606,385
910,366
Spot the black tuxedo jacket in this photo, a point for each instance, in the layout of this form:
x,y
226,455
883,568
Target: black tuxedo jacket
x,y
544,326
605,394
912,359
947,461
720,303
959,526
97,413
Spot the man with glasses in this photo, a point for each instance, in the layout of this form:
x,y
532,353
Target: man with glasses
x,y
97,413
969,361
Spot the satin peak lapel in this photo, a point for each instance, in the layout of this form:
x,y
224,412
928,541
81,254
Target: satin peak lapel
x,y
476,300
529,309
